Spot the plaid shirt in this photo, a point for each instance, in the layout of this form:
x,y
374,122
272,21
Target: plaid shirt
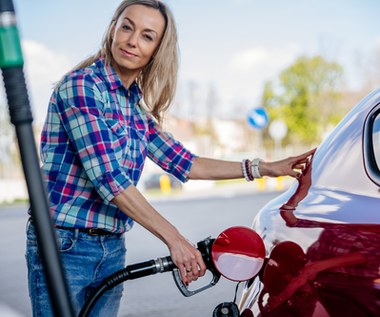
x,y
93,146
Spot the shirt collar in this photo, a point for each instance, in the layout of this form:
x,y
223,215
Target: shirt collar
x,y
113,81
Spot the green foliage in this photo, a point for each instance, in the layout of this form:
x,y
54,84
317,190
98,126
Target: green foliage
x,y
304,96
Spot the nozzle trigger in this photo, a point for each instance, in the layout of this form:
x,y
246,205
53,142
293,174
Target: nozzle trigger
x,y
186,291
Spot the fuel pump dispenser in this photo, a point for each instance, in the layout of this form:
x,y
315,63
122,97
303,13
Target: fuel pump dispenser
x,y
11,64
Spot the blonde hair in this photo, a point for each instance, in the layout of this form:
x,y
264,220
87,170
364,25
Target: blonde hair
x,y
158,79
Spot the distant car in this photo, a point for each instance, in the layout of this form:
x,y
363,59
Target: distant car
x,y
322,236
154,181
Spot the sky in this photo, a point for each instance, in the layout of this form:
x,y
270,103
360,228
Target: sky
x,y
230,47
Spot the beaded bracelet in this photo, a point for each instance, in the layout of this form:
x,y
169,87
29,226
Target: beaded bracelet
x,y
248,164
247,172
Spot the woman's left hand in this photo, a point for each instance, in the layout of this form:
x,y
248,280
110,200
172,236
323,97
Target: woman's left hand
x,y
292,166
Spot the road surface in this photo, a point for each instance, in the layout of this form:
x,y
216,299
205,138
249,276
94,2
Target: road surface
x,y
196,217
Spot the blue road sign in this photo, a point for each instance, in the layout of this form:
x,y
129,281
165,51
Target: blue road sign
x,y
258,118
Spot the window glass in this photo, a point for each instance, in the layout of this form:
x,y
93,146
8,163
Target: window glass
x,y
376,140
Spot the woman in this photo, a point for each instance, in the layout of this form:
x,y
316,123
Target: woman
x,y
103,121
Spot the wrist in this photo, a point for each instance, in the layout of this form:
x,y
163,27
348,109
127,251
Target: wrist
x,y
172,238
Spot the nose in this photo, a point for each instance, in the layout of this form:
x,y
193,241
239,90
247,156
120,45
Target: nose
x,y
132,39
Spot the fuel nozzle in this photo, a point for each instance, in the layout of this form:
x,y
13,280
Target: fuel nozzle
x,y
204,247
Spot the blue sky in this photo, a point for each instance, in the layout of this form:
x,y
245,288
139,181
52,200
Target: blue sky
x,y
233,46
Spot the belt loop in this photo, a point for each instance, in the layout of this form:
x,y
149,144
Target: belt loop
x,y
76,233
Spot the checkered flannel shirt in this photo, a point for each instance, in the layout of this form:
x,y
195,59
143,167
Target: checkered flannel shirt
x,y
94,143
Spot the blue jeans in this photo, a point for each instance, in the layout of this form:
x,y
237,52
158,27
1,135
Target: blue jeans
x,y
86,260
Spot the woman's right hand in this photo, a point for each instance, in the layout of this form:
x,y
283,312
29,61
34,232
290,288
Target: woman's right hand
x,y
188,260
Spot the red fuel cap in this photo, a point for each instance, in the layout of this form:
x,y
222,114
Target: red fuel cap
x,y
238,253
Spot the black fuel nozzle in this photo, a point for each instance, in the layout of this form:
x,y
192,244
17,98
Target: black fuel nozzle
x,y
204,247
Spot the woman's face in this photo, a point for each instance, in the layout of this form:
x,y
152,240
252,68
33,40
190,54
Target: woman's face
x,y
136,36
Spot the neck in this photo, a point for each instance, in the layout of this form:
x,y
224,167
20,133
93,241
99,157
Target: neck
x,y
127,77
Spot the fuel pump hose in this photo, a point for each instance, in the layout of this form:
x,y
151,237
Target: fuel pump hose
x,y
130,272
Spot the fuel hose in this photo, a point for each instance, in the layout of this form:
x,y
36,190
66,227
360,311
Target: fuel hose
x,y
131,272
11,64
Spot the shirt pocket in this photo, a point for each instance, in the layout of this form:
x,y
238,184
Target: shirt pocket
x,y
115,120
117,127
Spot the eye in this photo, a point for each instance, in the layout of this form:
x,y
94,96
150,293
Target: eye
x,y
126,27
148,37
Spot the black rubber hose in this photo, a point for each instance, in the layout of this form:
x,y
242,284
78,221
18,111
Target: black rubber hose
x,y
129,273
17,95
108,283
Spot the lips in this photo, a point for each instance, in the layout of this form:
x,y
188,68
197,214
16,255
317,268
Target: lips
x,y
128,53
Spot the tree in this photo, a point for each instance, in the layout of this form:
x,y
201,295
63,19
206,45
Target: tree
x,y
304,96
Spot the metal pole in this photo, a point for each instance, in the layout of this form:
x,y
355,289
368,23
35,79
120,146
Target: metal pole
x,y
11,64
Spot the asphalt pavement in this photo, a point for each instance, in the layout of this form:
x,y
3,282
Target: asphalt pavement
x,y
196,214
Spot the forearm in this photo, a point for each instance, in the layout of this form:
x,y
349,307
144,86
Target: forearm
x,y
183,253
134,205
211,169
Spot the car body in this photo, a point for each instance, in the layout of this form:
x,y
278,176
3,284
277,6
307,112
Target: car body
x,y
322,236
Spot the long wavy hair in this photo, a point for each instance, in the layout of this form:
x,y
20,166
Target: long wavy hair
x,y
158,79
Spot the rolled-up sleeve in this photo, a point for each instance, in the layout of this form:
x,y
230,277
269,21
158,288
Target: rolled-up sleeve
x,y
169,153
80,105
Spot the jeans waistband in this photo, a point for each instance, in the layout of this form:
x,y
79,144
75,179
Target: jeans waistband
x,y
90,231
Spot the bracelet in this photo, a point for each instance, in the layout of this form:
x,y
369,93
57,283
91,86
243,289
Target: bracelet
x,y
255,168
247,173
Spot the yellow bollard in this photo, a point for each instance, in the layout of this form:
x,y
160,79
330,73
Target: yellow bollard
x,y
165,184
280,183
261,184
